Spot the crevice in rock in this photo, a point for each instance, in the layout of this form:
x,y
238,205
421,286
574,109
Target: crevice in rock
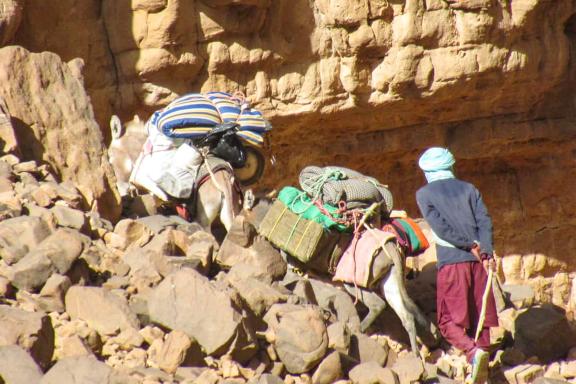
x,y
117,99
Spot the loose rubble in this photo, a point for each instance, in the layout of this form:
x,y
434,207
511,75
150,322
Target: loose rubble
x,y
158,300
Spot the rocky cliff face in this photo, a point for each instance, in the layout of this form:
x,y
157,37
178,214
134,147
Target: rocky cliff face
x,y
366,84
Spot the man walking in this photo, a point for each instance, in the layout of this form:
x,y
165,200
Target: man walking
x,y
463,232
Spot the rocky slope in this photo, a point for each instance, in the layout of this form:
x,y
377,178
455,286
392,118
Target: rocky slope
x,y
158,300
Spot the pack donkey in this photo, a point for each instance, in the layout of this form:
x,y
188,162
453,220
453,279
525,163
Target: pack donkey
x,y
391,288
216,197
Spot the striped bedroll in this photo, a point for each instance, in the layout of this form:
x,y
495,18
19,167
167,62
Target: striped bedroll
x,y
192,116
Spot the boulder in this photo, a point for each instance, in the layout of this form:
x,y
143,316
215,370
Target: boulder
x,y
258,295
267,378
372,373
51,298
338,301
329,370
17,367
366,349
301,339
523,374
72,346
146,266
131,233
201,250
63,247
409,369
158,223
79,370
187,301
522,296
32,331
173,351
339,337
549,380
69,217
32,271
104,311
260,254
19,235
543,332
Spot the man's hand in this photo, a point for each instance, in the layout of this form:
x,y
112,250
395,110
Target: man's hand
x,y
475,250
489,264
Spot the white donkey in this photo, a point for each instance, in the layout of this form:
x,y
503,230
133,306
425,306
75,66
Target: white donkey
x,y
216,196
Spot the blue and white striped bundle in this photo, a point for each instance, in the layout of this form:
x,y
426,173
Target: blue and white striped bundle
x,y
192,116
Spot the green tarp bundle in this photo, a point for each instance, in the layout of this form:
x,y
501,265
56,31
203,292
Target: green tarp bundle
x,y
299,202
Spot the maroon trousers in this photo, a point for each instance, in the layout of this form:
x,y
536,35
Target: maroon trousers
x,y
460,288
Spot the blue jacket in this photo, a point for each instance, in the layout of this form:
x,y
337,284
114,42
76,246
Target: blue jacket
x,y
456,213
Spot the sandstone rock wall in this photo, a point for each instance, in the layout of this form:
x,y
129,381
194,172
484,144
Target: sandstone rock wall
x,y
363,83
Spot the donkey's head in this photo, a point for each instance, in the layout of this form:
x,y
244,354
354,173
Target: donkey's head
x,y
126,144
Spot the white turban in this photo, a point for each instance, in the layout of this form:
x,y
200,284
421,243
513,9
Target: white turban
x,y
437,164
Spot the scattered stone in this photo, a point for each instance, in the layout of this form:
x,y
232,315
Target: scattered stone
x,y
17,367
372,372
365,349
104,311
201,249
174,304
69,217
130,233
513,356
329,370
523,374
51,298
543,332
78,370
19,235
173,351
258,295
521,295
339,337
409,369
72,346
301,339
32,331
32,271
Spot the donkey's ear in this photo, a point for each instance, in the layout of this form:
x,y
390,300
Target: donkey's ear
x,y
116,127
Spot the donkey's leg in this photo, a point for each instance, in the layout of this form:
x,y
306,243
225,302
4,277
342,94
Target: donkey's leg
x,y
391,290
371,300
230,199
208,204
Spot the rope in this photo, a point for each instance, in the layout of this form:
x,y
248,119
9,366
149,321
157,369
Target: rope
x,y
313,187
